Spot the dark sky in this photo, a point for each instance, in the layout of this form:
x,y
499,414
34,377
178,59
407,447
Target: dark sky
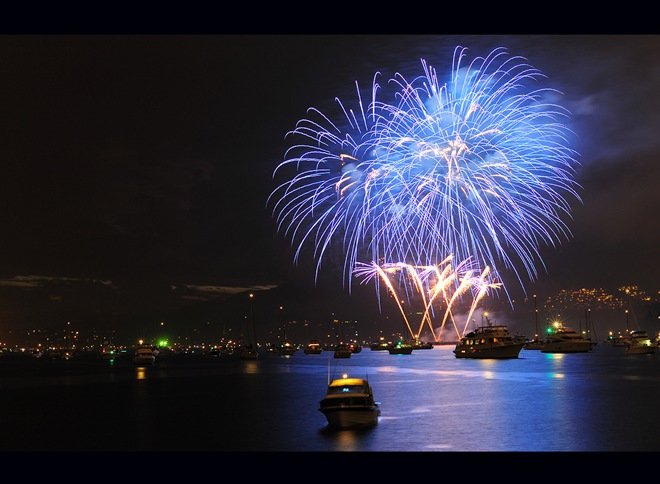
x,y
141,164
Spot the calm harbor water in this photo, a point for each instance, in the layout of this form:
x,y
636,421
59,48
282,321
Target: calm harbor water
x,y
430,401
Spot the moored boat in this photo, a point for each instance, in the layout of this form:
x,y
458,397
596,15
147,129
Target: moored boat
x,y
380,345
492,341
562,339
354,347
639,343
313,348
287,348
349,402
144,355
418,344
248,352
533,344
400,348
342,351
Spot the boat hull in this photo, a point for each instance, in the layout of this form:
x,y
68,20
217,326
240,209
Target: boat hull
x,y
342,354
400,351
533,345
379,347
144,360
344,418
640,350
567,347
488,352
425,346
310,351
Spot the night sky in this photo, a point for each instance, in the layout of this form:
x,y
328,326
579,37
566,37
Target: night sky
x,y
135,169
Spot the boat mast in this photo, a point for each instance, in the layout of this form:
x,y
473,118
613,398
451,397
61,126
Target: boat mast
x,y
253,342
590,325
328,367
536,319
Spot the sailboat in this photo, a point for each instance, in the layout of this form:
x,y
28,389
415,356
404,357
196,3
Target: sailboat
x,y
286,347
249,351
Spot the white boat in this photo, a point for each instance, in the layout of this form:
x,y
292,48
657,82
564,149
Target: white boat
x,y
144,355
492,341
639,343
349,402
562,339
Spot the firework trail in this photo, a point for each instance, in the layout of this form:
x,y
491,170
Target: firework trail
x,y
482,286
477,165
461,278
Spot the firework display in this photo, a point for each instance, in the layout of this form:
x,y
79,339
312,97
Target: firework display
x,y
476,166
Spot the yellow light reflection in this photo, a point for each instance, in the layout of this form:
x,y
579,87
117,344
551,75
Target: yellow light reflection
x,y
387,369
251,367
347,440
556,356
141,373
558,376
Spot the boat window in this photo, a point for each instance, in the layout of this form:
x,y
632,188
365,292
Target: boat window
x,y
346,389
494,340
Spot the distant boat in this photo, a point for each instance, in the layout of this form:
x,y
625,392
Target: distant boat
x,y
287,348
400,348
313,348
533,344
618,341
380,345
486,342
144,355
248,352
59,353
342,351
639,343
354,347
107,353
348,403
418,344
562,339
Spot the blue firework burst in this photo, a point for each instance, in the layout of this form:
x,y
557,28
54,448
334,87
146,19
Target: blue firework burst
x,y
477,165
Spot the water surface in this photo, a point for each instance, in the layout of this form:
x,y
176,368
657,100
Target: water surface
x,y
430,401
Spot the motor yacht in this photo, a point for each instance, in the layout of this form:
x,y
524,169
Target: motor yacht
x,y
349,402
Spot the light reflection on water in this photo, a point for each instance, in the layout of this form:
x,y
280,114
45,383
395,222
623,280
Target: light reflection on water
x,y
250,367
430,401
